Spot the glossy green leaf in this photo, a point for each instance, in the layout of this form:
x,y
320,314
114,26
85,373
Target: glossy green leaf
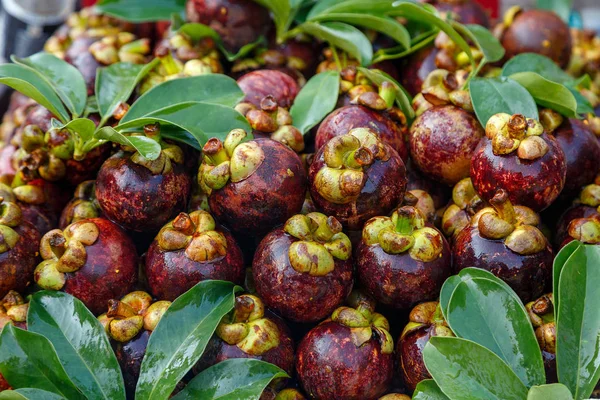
x,y
33,85
554,391
561,7
28,360
583,105
428,390
147,147
491,96
179,135
490,314
466,370
385,25
142,10
578,323
83,126
547,93
80,341
216,121
66,80
486,42
29,394
181,337
559,262
214,89
315,100
236,378
280,9
324,7
115,84
533,62
343,36
403,99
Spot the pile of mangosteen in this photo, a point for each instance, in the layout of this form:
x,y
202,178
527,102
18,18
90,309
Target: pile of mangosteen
x,y
340,210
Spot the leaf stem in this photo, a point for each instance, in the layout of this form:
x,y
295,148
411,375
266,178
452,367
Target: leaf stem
x,y
336,57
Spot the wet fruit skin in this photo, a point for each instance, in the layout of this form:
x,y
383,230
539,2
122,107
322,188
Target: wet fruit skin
x,y
398,279
439,193
344,119
582,152
238,22
86,169
535,184
415,68
527,275
130,356
330,366
468,12
383,189
409,350
267,198
538,31
285,290
134,198
561,237
17,264
172,273
79,56
259,84
110,271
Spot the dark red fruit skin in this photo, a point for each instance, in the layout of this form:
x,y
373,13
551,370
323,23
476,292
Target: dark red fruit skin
x,y
538,31
39,116
287,291
259,84
398,280
172,273
131,196
130,356
238,22
417,181
283,355
415,68
384,188
468,12
442,142
582,152
3,384
86,169
265,199
342,120
527,275
306,51
535,184
79,56
110,271
40,216
330,366
562,226
409,355
17,264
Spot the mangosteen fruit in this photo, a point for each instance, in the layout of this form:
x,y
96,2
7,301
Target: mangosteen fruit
x,y
425,320
129,323
504,239
249,331
259,84
416,67
465,204
520,158
190,249
357,176
349,356
92,259
252,186
83,205
585,206
541,314
13,310
141,194
303,270
463,11
401,260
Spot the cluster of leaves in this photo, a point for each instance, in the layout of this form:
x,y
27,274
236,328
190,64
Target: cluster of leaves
x,y
66,354
495,354
175,104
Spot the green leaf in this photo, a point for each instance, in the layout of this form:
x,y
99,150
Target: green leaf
x,y
181,337
28,360
561,7
533,62
491,96
83,126
236,378
80,341
486,42
30,83
115,84
385,25
559,262
142,10
315,100
428,390
179,135
147,147
547,93
66,80
213,88
490,314
281,10
403,99
29,394
217,120
554,391
583,105
325,7
466,370
578,323
343,36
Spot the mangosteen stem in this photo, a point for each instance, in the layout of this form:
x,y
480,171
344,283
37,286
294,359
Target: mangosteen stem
x,y
358,158
387,93
242,309
503,206
215,152
152,131
169,64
